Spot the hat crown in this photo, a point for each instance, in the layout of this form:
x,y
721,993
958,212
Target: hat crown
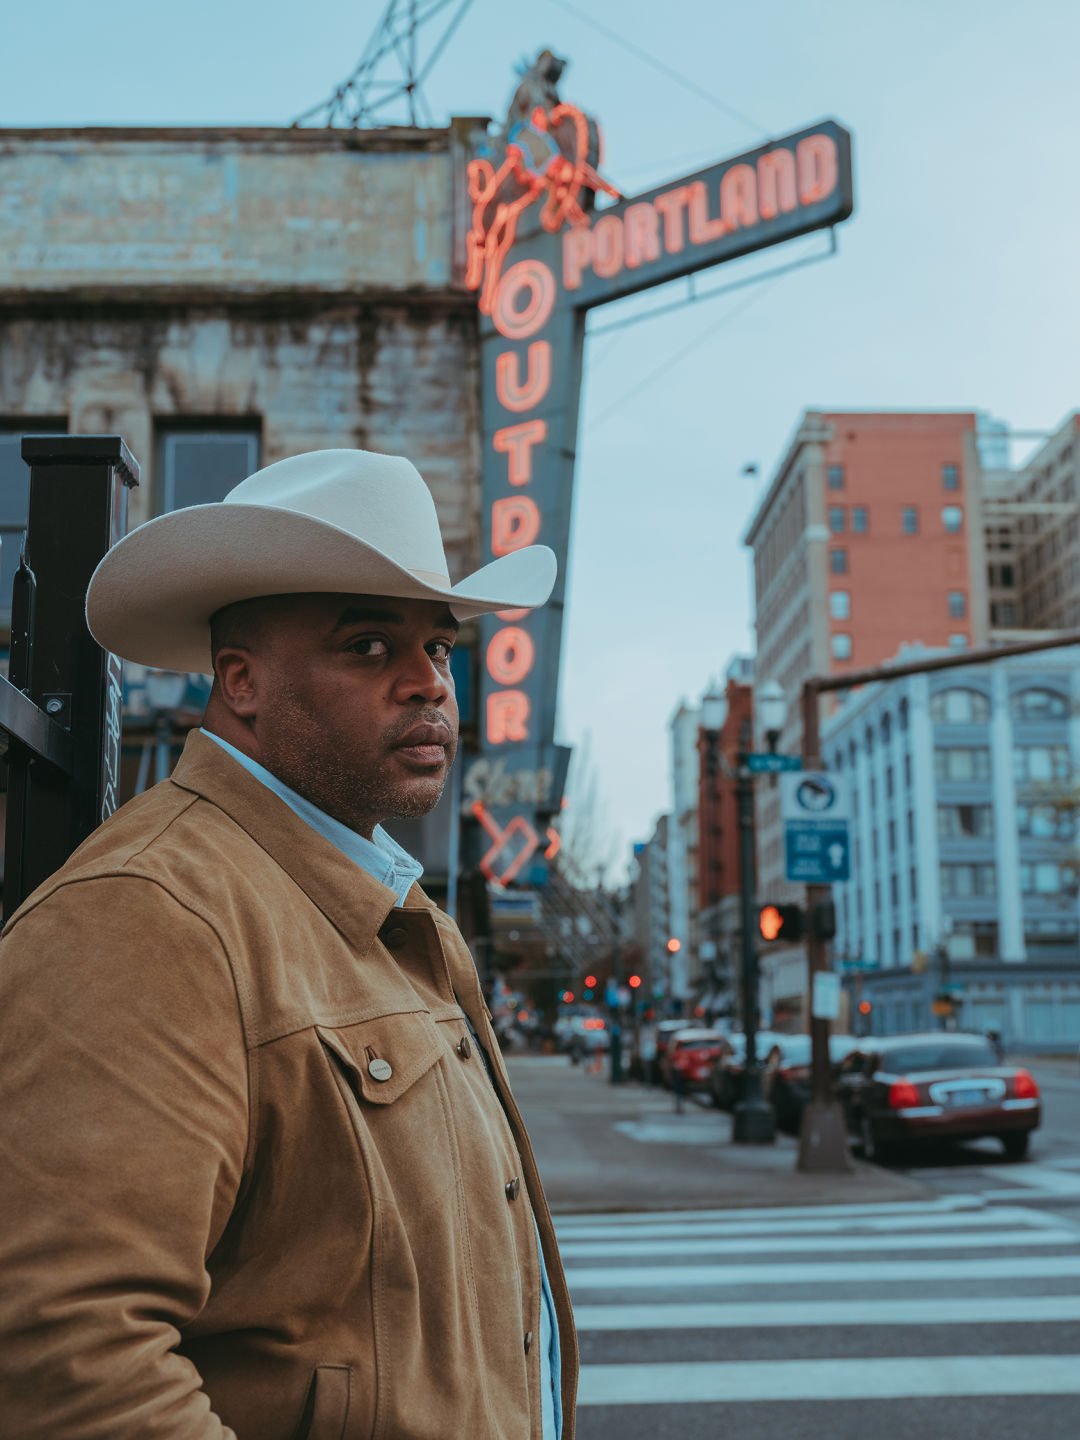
x,y
380,499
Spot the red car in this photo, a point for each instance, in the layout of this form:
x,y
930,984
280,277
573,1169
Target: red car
x,y
943,1085
690,1056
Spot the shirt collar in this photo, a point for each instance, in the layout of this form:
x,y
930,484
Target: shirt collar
x,y
381,856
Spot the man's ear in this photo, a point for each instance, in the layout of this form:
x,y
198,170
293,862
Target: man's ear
x,y
235,681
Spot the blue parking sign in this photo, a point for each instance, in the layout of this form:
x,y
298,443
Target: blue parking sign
x,y
814,807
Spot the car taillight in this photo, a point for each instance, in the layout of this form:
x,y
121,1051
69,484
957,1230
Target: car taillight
x,y
903,1095
1025,1086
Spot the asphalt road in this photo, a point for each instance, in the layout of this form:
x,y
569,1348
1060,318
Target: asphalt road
x,y
949,1318
956,1316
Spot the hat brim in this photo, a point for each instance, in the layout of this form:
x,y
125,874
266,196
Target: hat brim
x,y
151,598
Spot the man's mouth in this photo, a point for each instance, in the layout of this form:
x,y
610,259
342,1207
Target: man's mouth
x,y
426,744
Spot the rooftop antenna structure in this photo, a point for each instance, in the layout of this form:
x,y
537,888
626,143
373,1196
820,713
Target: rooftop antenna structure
x,y
390,69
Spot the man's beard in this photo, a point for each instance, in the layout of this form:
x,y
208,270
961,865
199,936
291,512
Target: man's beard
x,y
300,753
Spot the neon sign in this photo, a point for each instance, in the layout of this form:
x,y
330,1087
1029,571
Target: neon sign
x,y
539,257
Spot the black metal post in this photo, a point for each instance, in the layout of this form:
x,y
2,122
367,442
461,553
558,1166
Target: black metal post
x,y
754,1123
57,795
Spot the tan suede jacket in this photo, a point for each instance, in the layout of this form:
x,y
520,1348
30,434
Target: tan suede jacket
x,y
254,1181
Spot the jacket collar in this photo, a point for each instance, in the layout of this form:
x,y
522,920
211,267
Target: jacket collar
x,y
351,899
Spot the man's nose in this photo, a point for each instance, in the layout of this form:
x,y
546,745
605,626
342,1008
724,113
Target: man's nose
x,y
423,679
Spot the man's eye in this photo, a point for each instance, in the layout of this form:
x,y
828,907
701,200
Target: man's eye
x,y
369,647
441,649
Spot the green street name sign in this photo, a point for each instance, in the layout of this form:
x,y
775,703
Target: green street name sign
x,y
766,764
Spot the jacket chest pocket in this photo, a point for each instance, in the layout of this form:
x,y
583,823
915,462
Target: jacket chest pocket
x,y
389,1075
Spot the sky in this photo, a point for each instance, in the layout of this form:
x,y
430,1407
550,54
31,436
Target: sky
x,y
953,286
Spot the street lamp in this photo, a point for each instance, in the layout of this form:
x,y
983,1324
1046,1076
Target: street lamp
x,y
164,693
754,1123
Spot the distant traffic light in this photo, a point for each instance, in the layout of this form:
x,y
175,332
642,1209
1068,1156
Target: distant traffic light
x,y
865,1007
674,945
567,997
634,981
780,922
590,981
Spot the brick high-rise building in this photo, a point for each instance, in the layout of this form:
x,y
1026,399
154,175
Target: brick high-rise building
x,y
869,537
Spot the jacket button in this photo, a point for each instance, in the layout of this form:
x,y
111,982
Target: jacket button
x,y
528,1341
464,1049
380,1069
396,938
513,1188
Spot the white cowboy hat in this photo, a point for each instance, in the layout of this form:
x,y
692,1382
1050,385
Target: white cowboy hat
x,y
331,520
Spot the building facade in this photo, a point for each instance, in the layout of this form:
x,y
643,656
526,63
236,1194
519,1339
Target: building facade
x,y
226,298
965,793
683,839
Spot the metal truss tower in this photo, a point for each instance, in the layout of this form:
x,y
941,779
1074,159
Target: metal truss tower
x,y
391,71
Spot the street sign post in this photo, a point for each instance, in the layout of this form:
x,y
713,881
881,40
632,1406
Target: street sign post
x,y
764,763
814,809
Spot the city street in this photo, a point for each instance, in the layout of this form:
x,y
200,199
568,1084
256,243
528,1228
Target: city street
x,y
949,1305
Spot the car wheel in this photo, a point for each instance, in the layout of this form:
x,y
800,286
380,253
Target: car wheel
x,y
1016,1146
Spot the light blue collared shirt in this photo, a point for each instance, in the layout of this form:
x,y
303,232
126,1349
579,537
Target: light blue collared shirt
x,y
393,866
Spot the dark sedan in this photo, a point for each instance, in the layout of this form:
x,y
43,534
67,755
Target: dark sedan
x,y
941,1086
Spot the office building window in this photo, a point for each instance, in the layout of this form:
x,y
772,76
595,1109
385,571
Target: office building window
x,y
1046,822
907,771
959,706
959,882
200,466
1039,704
952,517
892,837
840,604
970,939
1002,612
911,828
890,782
894,891
1039,763
965,822
838,560
962,762
1053,934
1046,877
837,519
909,520
836,477
841,646
859,522
913,886
957,604
15,499
950,477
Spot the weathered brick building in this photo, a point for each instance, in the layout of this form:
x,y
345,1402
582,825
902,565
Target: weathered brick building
x,y
225,298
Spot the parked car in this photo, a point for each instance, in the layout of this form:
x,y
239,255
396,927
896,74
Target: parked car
x,y
785,1079
690,1056
943,1085
725,1083
666,1030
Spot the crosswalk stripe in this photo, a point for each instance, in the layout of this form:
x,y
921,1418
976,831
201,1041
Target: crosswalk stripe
x,y
803,1314
876,1379
777,1214
673,1226
822,1244
653,1277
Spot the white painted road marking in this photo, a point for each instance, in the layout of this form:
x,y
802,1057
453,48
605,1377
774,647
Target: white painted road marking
x,y
890,1379
802,1314
1041,1177
822,1244
776,1216
674,1277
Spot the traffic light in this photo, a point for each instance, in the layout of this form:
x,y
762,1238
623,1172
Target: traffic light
x,y
674,945
634,981
590,981
780,922
865,1007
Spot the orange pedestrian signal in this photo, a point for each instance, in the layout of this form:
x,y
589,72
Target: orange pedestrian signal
x,y
865,1007
780,922
673,945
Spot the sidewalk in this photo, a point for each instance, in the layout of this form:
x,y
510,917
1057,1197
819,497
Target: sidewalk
x,y
603,1147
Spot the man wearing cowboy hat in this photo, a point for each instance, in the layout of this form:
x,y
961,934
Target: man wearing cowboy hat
x,y
261,1172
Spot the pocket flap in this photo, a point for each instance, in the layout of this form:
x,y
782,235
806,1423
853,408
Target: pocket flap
x,y
405,1045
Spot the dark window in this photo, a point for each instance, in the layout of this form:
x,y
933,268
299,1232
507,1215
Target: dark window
x,y
957,604
1006,574
858,520
907,771
965,822
838,560
1003,612
894,891
837,519
836,477
200,466
914,888
950,477
911,827
909,520
892,837
15,499
944,1054
889,783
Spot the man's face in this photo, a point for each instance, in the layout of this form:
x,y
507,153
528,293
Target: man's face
x,y
354,704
